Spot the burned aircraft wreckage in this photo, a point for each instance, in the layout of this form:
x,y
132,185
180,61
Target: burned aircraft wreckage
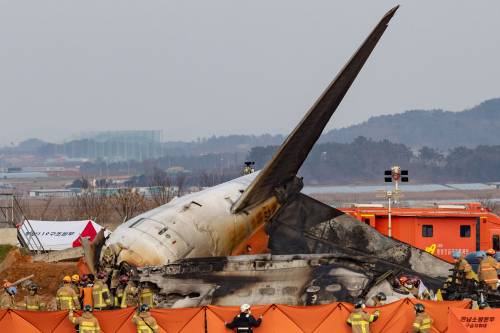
x,y
190,250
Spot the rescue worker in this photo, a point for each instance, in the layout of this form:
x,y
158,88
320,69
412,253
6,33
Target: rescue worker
x,y
87,323
100,292
75,283
360,320
244,321
422,322
86,296
32,301
379,299
122,284
8,297
146,295
144,321
488,270
66,298
463,265
130,296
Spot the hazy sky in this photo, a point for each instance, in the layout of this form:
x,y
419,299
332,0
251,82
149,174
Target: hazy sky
x,y
197,68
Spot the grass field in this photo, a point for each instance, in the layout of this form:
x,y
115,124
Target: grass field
x,y
4,249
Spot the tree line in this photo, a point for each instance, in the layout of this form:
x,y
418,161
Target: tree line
x,y
364,161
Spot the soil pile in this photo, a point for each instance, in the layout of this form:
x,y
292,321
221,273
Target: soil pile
x,y
48,276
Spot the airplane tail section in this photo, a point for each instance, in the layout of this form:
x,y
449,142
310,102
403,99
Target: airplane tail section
x,y
283,167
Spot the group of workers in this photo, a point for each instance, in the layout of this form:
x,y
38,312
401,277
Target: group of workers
x,y
360,320
78,292
487,271
89,294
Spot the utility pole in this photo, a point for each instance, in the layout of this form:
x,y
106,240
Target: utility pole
x,y
396,175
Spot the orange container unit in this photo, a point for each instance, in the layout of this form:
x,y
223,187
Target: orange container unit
x,y
440,229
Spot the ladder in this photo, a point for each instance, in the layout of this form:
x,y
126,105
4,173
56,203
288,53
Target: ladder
x,y
25,233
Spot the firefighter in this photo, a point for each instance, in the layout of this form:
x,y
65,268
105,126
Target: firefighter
x,y
75,283
100,292
8,297
379,299
144,321
122,283
87,323
86,296
422,322
146,295
462,265
360,320
66,298
488,269
244,321
33,301
130,295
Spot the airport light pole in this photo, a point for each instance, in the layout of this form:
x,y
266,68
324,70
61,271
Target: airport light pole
x,y
396,175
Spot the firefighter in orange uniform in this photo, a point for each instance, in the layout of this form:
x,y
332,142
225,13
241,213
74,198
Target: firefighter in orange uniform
x,y
422,322
488,269
360,320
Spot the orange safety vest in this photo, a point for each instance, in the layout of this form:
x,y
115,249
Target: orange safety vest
x,y
86,295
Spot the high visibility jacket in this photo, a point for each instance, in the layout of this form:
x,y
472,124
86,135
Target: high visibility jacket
x,y
119,295
130,297
422,323
360,321
101,295
146,297
86,296
32,303
145,323
87,322
463,265
67,299
7,301
76,288
488,270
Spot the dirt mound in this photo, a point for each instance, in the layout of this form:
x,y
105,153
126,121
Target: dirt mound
x,y
48,276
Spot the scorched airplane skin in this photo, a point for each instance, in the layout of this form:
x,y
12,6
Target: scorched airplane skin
x,y
180,249
215,221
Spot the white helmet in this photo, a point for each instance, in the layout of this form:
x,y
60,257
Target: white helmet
x,y
245,307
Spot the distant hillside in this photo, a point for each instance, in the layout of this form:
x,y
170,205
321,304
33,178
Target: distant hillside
x,y
438,129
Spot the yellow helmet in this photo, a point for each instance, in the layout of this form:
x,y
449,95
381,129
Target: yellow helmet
x,y
67,279
75,278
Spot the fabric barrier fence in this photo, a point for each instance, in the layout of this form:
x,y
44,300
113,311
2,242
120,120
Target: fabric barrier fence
x,y
465,321
396,317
